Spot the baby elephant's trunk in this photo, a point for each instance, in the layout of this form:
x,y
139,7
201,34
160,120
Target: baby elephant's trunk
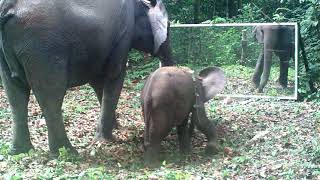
x,y
203,124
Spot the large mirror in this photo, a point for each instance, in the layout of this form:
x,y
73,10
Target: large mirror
x,y
260,60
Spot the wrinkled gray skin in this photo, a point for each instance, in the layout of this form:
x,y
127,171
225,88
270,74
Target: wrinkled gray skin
x,y
168,97
280,40
50,46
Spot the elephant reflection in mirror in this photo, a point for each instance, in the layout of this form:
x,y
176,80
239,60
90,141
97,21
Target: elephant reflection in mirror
x,y
280,40
170,94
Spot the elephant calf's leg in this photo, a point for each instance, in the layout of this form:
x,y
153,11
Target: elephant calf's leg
x,y
184,138
151,154
207,128
156,129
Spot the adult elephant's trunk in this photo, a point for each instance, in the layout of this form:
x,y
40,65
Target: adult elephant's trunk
x,y
267,62
165,52
200,119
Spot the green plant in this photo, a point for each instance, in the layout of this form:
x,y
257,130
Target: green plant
x,y
66,155
94,173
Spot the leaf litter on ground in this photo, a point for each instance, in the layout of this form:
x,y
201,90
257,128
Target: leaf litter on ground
x,y
259,138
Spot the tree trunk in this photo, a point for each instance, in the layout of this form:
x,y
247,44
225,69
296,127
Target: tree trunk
x,y
227,8
244,47
232,9
196,9
214,8
305,60
239,4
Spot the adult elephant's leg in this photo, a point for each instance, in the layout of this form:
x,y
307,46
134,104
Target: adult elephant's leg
x,y
49,79
18,96
51,104
266,69
258,70
113,82
97,86
284,67
110,98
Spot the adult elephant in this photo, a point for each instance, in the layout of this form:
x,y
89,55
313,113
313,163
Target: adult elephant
x,y
50,46
280,40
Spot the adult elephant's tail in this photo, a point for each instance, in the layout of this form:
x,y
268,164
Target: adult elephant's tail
x,y
7,12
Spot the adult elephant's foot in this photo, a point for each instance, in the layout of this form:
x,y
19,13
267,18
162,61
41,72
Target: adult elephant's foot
x,y
104,138
116,124
22,148
256,81
104,132
283,83
260,89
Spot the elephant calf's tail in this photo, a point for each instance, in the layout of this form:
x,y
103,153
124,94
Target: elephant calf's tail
x,y
147,108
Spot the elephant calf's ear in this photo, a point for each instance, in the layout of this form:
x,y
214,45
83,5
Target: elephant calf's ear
x,y
213,81
159,23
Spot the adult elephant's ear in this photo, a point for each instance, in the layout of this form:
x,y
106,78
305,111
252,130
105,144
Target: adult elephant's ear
x,y
159,23
258,34
213,81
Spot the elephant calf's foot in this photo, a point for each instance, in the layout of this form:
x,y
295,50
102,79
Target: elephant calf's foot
x,y
186,149
151,161
151,157
212,149
14,150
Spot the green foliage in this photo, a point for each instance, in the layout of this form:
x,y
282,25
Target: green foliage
x,y
177,175
66,155
250,13
4,148
139,66
95,173
305,12
212,46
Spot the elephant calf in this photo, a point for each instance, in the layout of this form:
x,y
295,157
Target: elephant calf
x,y
168,97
